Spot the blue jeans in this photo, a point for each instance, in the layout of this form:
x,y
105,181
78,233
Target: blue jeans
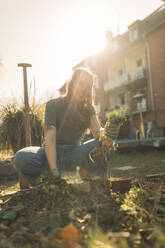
x,y
32,161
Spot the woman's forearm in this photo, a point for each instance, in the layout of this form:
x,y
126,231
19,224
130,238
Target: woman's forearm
x,y
50,146
51,155
95,126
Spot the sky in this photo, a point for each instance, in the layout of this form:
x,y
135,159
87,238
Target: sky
x,y
54,35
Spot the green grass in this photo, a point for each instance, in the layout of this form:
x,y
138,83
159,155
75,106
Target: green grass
x,y
103,217
9,187
144,163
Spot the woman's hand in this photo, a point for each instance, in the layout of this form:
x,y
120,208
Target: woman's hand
x,y
55,172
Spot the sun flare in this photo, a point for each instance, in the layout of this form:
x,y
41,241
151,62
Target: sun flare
x,y
79,35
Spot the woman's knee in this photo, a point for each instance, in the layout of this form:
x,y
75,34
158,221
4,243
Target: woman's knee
x,y
30,160
22,158
19,160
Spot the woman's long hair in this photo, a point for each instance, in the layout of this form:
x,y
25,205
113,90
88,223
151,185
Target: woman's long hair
x,y
77,115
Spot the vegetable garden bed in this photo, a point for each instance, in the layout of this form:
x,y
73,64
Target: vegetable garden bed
x,y
69,212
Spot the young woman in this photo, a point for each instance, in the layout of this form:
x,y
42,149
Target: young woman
x,y
66,119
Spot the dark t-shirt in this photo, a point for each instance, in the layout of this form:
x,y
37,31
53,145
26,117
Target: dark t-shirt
x,y
55,116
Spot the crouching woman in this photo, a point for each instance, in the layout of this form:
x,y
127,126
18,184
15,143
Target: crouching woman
x,y
66,119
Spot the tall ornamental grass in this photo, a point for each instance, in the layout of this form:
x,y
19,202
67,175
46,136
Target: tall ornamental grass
x,y
12,126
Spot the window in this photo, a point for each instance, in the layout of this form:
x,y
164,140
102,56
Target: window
x,y
120,72
113,102
143,104
133,35
139,63
115,46
96,83
122,98
142,91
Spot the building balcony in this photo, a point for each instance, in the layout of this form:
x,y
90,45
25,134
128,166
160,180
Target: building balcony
x,y
141,106
116,107
137,111
139,74
124,79
113,85
107,86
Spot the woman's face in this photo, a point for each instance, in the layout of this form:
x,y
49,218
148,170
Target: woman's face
x,y
82,89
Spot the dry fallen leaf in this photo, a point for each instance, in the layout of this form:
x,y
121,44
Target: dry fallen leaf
x,y
84,173
70,235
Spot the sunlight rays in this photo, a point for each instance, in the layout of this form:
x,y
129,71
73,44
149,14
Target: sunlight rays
x,y
79,34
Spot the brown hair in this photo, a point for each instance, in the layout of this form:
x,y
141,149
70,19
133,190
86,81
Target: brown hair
x,y
77,115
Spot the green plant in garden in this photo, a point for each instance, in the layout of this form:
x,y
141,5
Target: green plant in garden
x,y
12,128
136,205
107,136
47,214
117,117
114,121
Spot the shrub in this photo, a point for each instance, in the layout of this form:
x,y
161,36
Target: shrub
x,y
12,128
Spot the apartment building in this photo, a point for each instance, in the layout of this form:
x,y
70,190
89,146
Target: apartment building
x,y
131,73
135,78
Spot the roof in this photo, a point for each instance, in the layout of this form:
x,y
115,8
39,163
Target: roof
x,y
149,24
153,21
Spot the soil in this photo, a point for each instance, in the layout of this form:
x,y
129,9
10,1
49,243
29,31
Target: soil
x,y
92,210
126,210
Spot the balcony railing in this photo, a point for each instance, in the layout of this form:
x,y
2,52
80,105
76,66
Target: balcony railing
x,y
124,78
140,73
140,106
108,86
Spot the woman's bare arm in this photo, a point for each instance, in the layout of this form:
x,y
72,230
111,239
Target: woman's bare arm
x,y
50,146
95,125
